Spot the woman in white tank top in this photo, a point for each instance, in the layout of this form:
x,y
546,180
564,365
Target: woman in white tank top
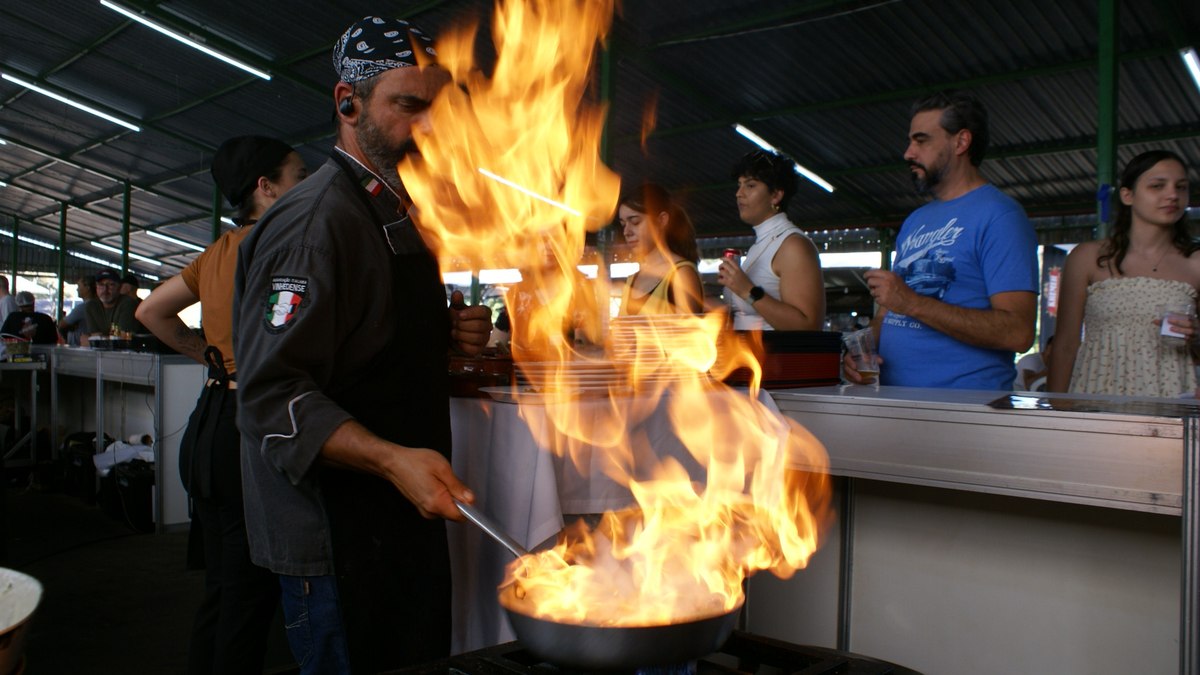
x,y
778,286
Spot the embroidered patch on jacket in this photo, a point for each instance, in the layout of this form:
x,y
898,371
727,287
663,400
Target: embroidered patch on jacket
x,y
283,303
372,186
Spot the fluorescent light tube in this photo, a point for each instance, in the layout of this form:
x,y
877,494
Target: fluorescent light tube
x,y
116,250
1192,61
173,240
755,138
70,102
175,35
3,184
801,170
228,220
31,240
524,190
98,261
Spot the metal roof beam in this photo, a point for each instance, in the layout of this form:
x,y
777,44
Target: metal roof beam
x,y
904,94
771,20
683,87
1019,151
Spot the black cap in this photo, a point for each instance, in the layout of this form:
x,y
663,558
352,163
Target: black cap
x,y
108,274
242,160
130,279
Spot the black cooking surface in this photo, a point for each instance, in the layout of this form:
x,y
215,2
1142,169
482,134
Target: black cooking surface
x,y
743,654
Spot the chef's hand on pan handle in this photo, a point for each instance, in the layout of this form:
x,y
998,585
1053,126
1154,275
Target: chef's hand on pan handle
x,y
423,476
427,480
470,327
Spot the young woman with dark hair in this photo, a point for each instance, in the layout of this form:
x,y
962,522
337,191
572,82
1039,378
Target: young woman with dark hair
x,y
1114,287
664,241
779,286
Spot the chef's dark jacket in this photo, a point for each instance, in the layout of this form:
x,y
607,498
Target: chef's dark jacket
x,y
338,319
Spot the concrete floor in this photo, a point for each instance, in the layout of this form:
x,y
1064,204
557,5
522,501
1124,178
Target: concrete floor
x,y
115,601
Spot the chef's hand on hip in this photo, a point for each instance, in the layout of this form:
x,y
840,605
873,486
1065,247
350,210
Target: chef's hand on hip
x,y
890,291
427,480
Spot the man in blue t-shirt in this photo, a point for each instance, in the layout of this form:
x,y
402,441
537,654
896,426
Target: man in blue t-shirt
x,y
962,296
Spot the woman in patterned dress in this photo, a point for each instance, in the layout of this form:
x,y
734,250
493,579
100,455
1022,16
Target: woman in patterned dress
x,y
1107,337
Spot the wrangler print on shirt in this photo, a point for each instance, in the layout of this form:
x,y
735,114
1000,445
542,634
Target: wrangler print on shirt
x,y
283,301
923,259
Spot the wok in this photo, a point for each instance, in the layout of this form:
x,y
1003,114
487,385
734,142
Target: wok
x,y
605,648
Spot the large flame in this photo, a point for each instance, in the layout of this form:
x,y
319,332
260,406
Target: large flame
x,y
510,176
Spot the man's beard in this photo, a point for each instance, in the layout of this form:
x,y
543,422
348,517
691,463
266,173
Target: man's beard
x,y
925,185
374,144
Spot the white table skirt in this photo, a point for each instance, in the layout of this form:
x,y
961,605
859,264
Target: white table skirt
x,y
527,488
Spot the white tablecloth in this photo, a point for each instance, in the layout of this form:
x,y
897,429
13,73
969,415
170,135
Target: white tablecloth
x,y
514,482
527,488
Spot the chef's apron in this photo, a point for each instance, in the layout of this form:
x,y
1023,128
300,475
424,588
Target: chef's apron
x,y
392,564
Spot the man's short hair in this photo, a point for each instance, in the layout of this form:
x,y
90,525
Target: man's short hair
x,y
959,111
131,280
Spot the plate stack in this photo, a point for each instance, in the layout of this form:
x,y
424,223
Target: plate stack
x,y
595,378
643,346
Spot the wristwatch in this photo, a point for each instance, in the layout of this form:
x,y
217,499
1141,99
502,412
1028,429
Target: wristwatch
x,y
757,293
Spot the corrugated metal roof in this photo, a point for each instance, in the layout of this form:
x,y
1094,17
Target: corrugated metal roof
x,y
828,82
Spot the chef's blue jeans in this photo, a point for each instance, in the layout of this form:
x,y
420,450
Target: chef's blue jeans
x,y
312,616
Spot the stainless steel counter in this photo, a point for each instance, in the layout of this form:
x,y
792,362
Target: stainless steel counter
x,y
980,538
125,393
1100,453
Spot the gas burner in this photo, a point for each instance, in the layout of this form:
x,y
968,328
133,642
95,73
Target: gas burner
x,y
743,654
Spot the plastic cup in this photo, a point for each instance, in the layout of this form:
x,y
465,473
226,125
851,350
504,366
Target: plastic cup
x,y
861,346
1179,313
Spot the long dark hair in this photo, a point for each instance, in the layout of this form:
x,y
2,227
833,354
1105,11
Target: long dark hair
x,y
680,235
1117,245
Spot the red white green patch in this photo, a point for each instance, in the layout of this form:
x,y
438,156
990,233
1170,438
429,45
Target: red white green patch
x,y
372,185
283,302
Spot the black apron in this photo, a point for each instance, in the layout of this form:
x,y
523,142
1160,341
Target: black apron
x,y
392,564
210,451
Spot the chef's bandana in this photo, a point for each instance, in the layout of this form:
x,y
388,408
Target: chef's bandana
x,y
374,45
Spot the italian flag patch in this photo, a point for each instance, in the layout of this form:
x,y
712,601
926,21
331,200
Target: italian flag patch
x,y
283,301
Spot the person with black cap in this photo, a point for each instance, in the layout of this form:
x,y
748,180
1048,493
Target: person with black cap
x,y
240,598
110,313
343,389
129,286
32,325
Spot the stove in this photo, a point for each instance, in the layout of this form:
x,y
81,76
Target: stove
x,y
742,654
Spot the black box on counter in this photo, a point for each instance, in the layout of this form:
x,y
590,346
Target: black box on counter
x,y
790,359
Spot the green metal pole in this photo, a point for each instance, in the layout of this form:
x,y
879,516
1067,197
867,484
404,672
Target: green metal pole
x,y
1106,125
16,251
216,213
607,82
62,255
887,242
125,228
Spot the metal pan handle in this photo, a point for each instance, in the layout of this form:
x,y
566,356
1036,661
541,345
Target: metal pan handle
x,y
491,529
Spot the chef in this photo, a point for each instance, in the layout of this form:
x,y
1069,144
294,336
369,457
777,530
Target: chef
x,y
342,332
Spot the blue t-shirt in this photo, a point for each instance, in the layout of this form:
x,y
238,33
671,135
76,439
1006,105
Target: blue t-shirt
x,y
961,252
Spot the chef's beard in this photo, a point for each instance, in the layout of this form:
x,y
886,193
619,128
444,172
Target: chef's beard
x,y
383,158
